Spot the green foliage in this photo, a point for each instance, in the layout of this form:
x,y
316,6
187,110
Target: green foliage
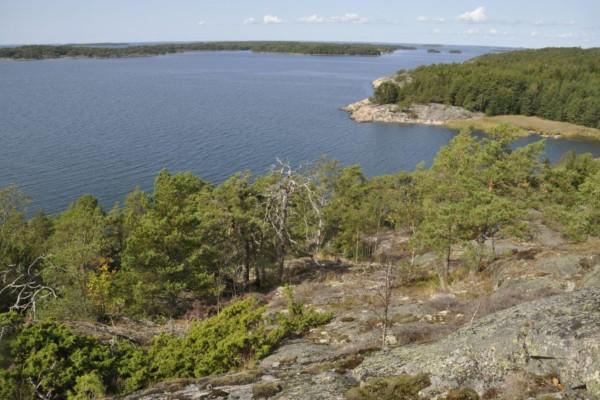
x,y
345,212
386,93
22,241
402,387
233,338
236,337
299,319
561,84
569,196
124,50
49,359
87,387
476,190
10,325
189,244
169,252
77,245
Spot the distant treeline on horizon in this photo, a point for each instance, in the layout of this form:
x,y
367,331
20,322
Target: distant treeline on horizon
x,y
107,50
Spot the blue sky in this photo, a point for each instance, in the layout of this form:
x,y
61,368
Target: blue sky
x,y
519,23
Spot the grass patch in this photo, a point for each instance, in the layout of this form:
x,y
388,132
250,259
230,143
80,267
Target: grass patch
x,y
265,390
525,126
402,387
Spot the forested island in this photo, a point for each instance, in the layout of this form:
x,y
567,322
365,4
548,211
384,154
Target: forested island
x,y
182,281
37,52
558,84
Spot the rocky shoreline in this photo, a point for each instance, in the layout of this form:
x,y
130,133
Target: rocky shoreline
x,y
425,114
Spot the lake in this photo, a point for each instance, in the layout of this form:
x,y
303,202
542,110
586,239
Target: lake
x,y
70,127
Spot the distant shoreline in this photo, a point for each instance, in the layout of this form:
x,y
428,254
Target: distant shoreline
x,y
42,52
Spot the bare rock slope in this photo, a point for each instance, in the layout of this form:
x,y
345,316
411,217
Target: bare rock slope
x,y
526,328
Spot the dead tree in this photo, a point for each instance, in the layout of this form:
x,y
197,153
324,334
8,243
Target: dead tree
x,y
26,285
384,295
290,191
278,209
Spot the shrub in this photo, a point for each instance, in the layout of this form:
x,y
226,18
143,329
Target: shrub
x,y
237,337
88,387
386,93
402,387
264,390
300,318
50,359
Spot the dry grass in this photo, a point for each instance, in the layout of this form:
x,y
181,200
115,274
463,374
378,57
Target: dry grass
x,y
525,125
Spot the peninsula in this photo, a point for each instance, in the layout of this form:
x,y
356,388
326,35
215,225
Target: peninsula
x,y
552,92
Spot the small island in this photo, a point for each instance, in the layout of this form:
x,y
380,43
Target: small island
x,y
455,51
551,92
433,51
107,50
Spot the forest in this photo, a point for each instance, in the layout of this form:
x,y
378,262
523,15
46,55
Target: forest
x,y
190,244
561,84
37,52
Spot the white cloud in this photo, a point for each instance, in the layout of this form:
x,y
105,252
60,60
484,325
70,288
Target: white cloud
x,y
431,19
477,15
348,18
272,19
534,34
436,31
201,22
250,21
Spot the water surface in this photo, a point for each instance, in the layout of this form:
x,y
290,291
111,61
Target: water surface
x,y
69,127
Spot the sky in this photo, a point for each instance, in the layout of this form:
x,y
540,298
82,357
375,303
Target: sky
x,y
512,23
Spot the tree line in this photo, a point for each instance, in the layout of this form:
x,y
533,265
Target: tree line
x,y
189,243
560,84
37,52
189,240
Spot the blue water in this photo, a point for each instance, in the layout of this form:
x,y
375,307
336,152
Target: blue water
x,y
69,127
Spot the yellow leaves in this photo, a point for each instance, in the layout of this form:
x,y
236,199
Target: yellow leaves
x,y
98,287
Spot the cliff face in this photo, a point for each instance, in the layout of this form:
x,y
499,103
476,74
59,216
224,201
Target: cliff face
x,y
526,327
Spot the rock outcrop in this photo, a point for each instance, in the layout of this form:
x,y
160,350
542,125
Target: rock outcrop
x,y
556,336
528,327
426,114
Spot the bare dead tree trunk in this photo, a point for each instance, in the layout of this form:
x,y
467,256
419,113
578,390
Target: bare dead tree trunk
x,y
386,299
26,285
246,267
356,249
